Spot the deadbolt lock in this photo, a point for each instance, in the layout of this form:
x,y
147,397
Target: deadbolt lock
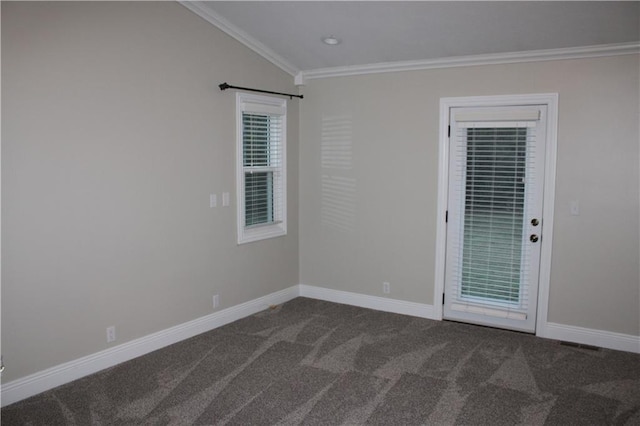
x,y
535,222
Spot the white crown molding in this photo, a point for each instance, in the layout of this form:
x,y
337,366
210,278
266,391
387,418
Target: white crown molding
x,y
474,60
199,8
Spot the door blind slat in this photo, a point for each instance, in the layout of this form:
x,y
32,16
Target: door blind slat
x,y
491,162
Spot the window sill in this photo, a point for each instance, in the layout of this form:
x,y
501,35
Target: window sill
x,y
263,232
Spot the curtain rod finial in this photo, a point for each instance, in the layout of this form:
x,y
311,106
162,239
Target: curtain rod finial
x,y
223,86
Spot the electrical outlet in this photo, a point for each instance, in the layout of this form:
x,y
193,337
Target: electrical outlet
x,y
216,301
111,334
386,287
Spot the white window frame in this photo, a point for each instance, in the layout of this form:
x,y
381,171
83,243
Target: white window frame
x,y
267,105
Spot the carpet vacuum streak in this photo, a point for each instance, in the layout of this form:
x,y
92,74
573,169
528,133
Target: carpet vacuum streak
x,y
310,362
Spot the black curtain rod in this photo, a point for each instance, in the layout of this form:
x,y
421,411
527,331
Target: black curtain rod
x,y
225,86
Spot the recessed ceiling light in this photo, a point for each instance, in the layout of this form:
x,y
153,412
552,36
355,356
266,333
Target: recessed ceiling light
x,y
331,40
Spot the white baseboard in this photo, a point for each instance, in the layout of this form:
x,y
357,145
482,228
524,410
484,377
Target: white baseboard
x,y
64,373
365,301
588,336
568,333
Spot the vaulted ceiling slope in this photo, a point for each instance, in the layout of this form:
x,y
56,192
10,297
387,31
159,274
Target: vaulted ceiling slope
x,y
290,33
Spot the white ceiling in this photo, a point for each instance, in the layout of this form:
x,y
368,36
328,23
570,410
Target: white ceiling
x,y
291,32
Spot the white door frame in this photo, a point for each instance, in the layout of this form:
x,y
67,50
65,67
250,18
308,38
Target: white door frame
x,y
551,101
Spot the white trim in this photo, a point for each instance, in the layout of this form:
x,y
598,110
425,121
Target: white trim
x,y
299,80
544,278
599,338
248,102
442,202
588,336
206,13
549,99
365,301
64,373
36,383
489,312
474,60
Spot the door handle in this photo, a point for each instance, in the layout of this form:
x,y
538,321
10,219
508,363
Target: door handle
x,y
533,238
535,222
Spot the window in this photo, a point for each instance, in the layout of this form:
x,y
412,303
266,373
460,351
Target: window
x,y
261,166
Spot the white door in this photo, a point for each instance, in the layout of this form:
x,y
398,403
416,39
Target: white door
x,y
494,215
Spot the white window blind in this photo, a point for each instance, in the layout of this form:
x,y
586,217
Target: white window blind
x,y
262,136
261,167
491,169
499,114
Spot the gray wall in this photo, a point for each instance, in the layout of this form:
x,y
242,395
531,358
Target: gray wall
x,y
369,170
114,133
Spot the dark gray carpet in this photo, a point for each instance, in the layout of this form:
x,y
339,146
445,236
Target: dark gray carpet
x,y
318,363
